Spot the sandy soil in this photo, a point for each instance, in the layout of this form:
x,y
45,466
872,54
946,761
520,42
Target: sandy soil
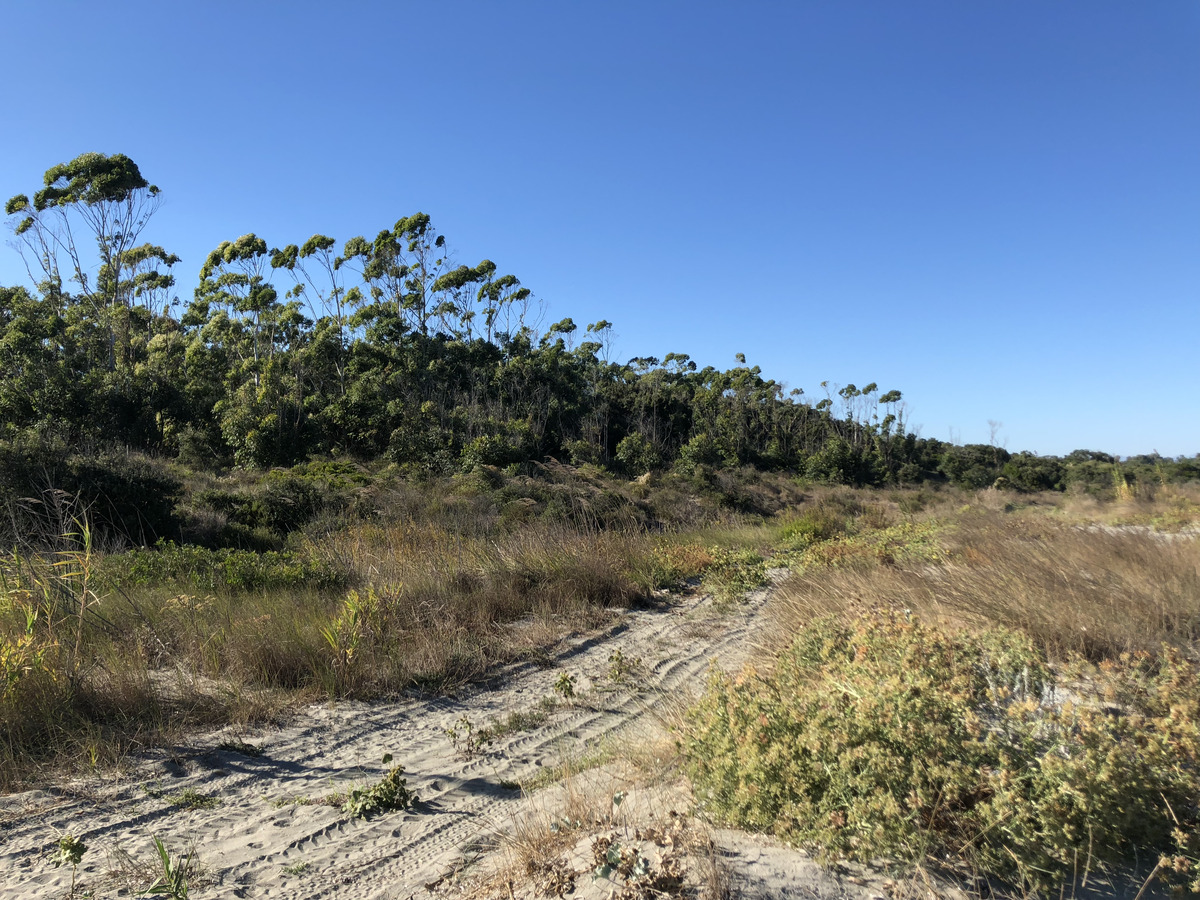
x,y
267,835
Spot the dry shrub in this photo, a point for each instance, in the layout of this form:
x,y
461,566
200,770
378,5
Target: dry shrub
x,y
1093,590
442,607
613,832
884,736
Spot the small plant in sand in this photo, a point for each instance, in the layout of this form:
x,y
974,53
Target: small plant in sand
x,y
622,861
565,686
466,739
613,859
388,794
69,852
192,799
173,880
620,666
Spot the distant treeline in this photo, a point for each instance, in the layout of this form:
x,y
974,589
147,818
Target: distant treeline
x,y
385,350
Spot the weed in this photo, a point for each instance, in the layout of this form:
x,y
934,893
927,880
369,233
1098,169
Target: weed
x,y
673,564
467,742
69,852
620,667
389,793
344,634
565,686
518,720
298,868
173,880
240,746
192,799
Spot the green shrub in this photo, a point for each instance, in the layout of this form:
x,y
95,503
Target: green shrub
x,y
513,443
389,793
817,523
224,569
732,572
886,737
637,455
697,453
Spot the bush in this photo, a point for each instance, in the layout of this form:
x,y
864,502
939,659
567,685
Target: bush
x,y
732,573
637,454
224,569
697,453
886,737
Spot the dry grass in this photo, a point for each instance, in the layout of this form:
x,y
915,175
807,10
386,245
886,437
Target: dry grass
x,y
1096,590
1167,508
431,608
445,584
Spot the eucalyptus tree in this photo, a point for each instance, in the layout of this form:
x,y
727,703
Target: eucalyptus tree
x,y
237,316
98,201
500,298
233,285
400,269
318,278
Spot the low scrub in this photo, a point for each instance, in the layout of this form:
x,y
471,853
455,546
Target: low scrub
x,y
96,652
734,572
1093,590
884,736
225,569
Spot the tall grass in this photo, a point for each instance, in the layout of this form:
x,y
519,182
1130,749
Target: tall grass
x,y
1094,590
413,604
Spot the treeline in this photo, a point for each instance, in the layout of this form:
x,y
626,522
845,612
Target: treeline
x,y
384,349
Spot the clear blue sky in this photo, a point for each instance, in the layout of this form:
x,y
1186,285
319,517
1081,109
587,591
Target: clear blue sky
x,y
991,206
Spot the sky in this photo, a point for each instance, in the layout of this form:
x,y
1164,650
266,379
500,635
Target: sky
x,y
991,206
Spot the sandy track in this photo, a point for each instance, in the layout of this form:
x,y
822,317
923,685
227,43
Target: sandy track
x,y
253,844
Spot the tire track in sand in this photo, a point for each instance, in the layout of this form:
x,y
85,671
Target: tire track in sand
x,y
266,822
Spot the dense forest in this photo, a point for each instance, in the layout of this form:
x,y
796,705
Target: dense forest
x,y
384,350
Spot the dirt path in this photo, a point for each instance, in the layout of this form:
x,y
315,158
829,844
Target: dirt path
x,y
268,839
